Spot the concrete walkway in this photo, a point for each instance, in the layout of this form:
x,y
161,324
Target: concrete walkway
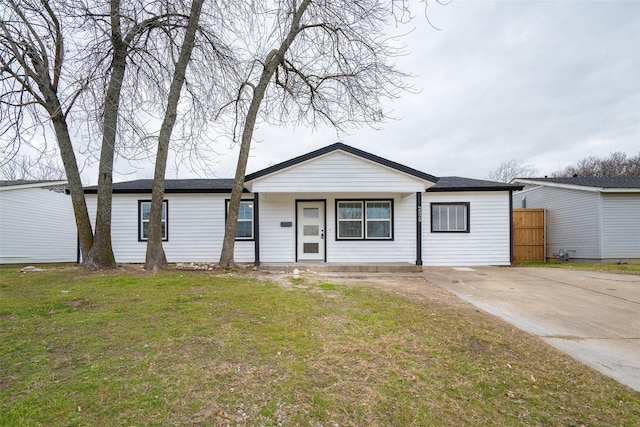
x,y
594,317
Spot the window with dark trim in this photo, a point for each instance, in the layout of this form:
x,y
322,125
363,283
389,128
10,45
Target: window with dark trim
x,y
144,210
245,219
364,219
450,217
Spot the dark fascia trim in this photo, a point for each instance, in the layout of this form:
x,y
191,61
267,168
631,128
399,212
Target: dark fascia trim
x,y
348,149
472,189
171,191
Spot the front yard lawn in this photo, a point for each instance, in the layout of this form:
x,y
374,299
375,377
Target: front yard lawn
x,y
129,348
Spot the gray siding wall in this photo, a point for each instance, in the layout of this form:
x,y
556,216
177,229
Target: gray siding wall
x,y
573,219
620,226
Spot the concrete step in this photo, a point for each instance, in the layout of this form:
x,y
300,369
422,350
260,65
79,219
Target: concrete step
x,y
319,267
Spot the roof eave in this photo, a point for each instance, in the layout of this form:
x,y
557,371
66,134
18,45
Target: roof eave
x,y
620,190
169,191
560,185
33,185
471,189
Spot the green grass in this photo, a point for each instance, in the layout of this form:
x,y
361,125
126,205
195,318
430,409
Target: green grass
x,y
629,268
186,348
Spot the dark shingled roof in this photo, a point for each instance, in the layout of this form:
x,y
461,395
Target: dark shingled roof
x,y
348,149
456,183
447,183
171,186
592,181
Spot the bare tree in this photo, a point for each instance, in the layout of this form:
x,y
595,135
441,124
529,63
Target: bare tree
x,y
127,24
617,164
320,62
116,67
42,168
155,257
57,54
147,67
510,169
38,89
101,253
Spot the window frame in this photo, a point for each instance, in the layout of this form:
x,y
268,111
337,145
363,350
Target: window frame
x,y
364,220
467,221
253,219
165,204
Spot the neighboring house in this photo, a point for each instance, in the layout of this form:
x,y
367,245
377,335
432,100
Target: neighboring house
x,y
36,223
592,218
337,204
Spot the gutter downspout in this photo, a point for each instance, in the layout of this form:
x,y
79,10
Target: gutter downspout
x,y
418,228
510,226
256,229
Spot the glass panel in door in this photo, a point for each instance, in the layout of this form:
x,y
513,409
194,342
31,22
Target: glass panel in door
x,y
310,235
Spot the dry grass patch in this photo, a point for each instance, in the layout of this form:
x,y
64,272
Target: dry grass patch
x,y
193,348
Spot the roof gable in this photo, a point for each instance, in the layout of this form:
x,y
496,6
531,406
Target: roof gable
x,y
339,171
338,146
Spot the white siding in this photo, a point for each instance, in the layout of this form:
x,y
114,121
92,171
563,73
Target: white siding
x,y
338,172
401,249
277,244
487,243
36,225
196,228
620,225
572,219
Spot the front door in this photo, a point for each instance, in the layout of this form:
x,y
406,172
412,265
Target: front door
x,y
310,231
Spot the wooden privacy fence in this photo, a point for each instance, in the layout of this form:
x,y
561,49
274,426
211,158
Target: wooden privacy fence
x,y
528,235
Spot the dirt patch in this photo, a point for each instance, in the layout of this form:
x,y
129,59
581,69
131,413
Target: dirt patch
x,y
413,287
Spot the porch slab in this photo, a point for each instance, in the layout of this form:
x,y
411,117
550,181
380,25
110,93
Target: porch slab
x,y
322,267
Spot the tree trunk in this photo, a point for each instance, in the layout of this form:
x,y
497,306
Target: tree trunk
x,y
155,258
270,66
51,103
59,120
80,211
101,253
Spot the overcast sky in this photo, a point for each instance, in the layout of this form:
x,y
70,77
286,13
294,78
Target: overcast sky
x,y
545,82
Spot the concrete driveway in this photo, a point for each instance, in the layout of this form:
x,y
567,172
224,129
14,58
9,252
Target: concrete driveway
x,y
594,317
